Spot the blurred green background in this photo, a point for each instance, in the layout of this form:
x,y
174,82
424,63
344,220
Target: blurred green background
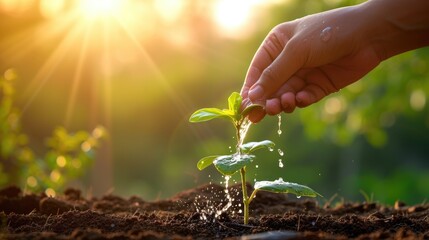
x,y
141,67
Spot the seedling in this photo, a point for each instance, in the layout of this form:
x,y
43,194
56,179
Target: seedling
x,y
228,165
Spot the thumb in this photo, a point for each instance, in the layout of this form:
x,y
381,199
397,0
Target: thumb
x,y
287,63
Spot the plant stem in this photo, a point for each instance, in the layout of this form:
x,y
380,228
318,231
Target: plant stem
x,y
246,201
252,196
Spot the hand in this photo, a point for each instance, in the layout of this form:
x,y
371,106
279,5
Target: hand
x,y
297,65
302,61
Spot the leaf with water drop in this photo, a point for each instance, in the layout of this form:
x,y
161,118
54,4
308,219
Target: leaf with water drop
x,y
253,146
206,114
229,164
280,186
206,161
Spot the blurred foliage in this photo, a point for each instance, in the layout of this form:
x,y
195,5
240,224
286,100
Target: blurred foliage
x,y
371,136
68,157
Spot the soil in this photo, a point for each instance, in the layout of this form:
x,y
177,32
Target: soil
x,y
191,215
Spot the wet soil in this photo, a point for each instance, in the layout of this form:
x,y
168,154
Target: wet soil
x,y
190,215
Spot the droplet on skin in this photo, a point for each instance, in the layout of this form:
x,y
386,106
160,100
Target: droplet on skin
x,y
326,34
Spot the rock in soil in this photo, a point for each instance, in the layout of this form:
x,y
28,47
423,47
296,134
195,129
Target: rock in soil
x,y
195,214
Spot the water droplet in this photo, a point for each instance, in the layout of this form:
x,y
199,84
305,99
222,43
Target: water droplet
x,y
281,153
313,223
320,174
279,131
271,149
297,196
326,34
257,166
281,165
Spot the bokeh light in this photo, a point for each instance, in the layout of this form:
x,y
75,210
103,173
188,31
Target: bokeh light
x,y
140,68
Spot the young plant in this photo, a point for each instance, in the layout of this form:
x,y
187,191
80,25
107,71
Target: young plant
x,y
228,165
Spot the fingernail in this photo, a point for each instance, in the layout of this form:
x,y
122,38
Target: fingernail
x,y
256,93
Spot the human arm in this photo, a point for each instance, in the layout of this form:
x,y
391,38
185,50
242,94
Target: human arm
x,y
304,60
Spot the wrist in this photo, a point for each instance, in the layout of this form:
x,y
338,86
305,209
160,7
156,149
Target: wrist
x,y
392,27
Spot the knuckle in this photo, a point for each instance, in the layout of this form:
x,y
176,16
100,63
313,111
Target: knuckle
x,y
270,75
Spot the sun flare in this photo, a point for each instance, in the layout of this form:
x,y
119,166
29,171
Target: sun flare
x,y
99,8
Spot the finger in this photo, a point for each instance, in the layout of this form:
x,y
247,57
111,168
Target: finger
x,y
288,102
270,49
273,106
288,62
252,76
294,84
256,115
309,95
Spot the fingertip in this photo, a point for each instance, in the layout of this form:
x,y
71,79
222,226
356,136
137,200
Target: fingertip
x,y
256,115
303,99
288,102
273,106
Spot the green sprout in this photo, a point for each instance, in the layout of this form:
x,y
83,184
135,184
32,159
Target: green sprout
x,y
228,165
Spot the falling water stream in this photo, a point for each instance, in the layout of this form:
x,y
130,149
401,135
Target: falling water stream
x,y
279,132
207,209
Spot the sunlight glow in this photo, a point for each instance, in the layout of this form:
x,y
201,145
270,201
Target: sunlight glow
x,y
16,7
51,8
169,10
99,8
231,16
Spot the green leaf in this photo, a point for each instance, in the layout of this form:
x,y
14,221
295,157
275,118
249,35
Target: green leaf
x,y
206,114
253,146
234,103
249,108
280,186
229,164
206,161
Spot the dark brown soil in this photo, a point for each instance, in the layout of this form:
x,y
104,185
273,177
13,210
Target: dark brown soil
x,y
273,216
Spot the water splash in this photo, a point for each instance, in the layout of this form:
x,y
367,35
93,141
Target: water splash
x,y
207,208
326,34
228,197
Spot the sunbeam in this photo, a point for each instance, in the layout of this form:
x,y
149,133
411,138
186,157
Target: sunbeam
x,y
174,95
77,78
17,46
45,71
